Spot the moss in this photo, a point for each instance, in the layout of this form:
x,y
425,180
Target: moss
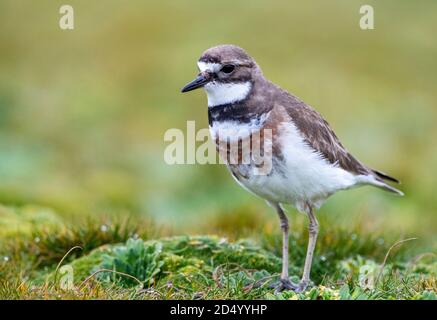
x,y
179,259
25,220
210,267
210,259
216,251
83,266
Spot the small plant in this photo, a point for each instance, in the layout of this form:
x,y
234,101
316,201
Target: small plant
x,y
137,259
210,267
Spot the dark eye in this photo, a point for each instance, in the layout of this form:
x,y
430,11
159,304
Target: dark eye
x,y
228,68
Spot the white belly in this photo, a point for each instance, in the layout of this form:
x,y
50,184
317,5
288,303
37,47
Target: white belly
x,y
302,175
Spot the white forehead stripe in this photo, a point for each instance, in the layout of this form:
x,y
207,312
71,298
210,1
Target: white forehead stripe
x,y
225,93
208,66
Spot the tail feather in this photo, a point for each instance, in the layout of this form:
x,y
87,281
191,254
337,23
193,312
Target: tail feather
x,y
384,176
376,178
381,176
389,188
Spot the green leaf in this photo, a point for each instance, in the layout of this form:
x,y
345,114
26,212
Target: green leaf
x,y
344,292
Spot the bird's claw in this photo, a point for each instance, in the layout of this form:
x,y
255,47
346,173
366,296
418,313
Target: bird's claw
x,y
287,284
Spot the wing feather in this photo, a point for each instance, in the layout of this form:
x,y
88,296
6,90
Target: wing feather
x,y
319,135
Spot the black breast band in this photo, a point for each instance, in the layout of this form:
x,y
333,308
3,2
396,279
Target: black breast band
x,y
237,111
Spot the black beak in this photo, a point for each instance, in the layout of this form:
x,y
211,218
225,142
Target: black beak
x,y
199,82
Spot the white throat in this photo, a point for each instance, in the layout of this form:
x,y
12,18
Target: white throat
x,y
225,93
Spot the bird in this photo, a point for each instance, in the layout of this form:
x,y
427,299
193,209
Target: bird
x,y
308,161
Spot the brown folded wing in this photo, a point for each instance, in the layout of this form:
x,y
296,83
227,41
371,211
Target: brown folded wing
x,y
319,135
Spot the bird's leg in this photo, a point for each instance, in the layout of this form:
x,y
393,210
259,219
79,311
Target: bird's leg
x,y
284,282
313,232
284,228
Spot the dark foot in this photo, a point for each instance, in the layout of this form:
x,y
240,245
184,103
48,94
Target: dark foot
x,y
284,284
287,284
303,285
280,285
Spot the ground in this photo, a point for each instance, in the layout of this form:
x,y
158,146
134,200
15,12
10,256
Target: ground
x,y
43,257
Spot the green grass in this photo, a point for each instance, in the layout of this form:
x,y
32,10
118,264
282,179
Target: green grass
x,y
122,261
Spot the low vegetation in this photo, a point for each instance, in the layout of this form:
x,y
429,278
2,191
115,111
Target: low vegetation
x,y
117,261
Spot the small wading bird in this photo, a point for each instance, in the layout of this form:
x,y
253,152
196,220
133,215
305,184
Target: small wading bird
x,y
309,163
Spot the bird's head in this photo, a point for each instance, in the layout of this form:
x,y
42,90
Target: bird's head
x,y
227,73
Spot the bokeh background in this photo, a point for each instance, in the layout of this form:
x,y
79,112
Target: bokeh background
x,y
83,112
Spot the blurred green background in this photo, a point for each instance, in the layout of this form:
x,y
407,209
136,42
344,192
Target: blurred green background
x,y
83,112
